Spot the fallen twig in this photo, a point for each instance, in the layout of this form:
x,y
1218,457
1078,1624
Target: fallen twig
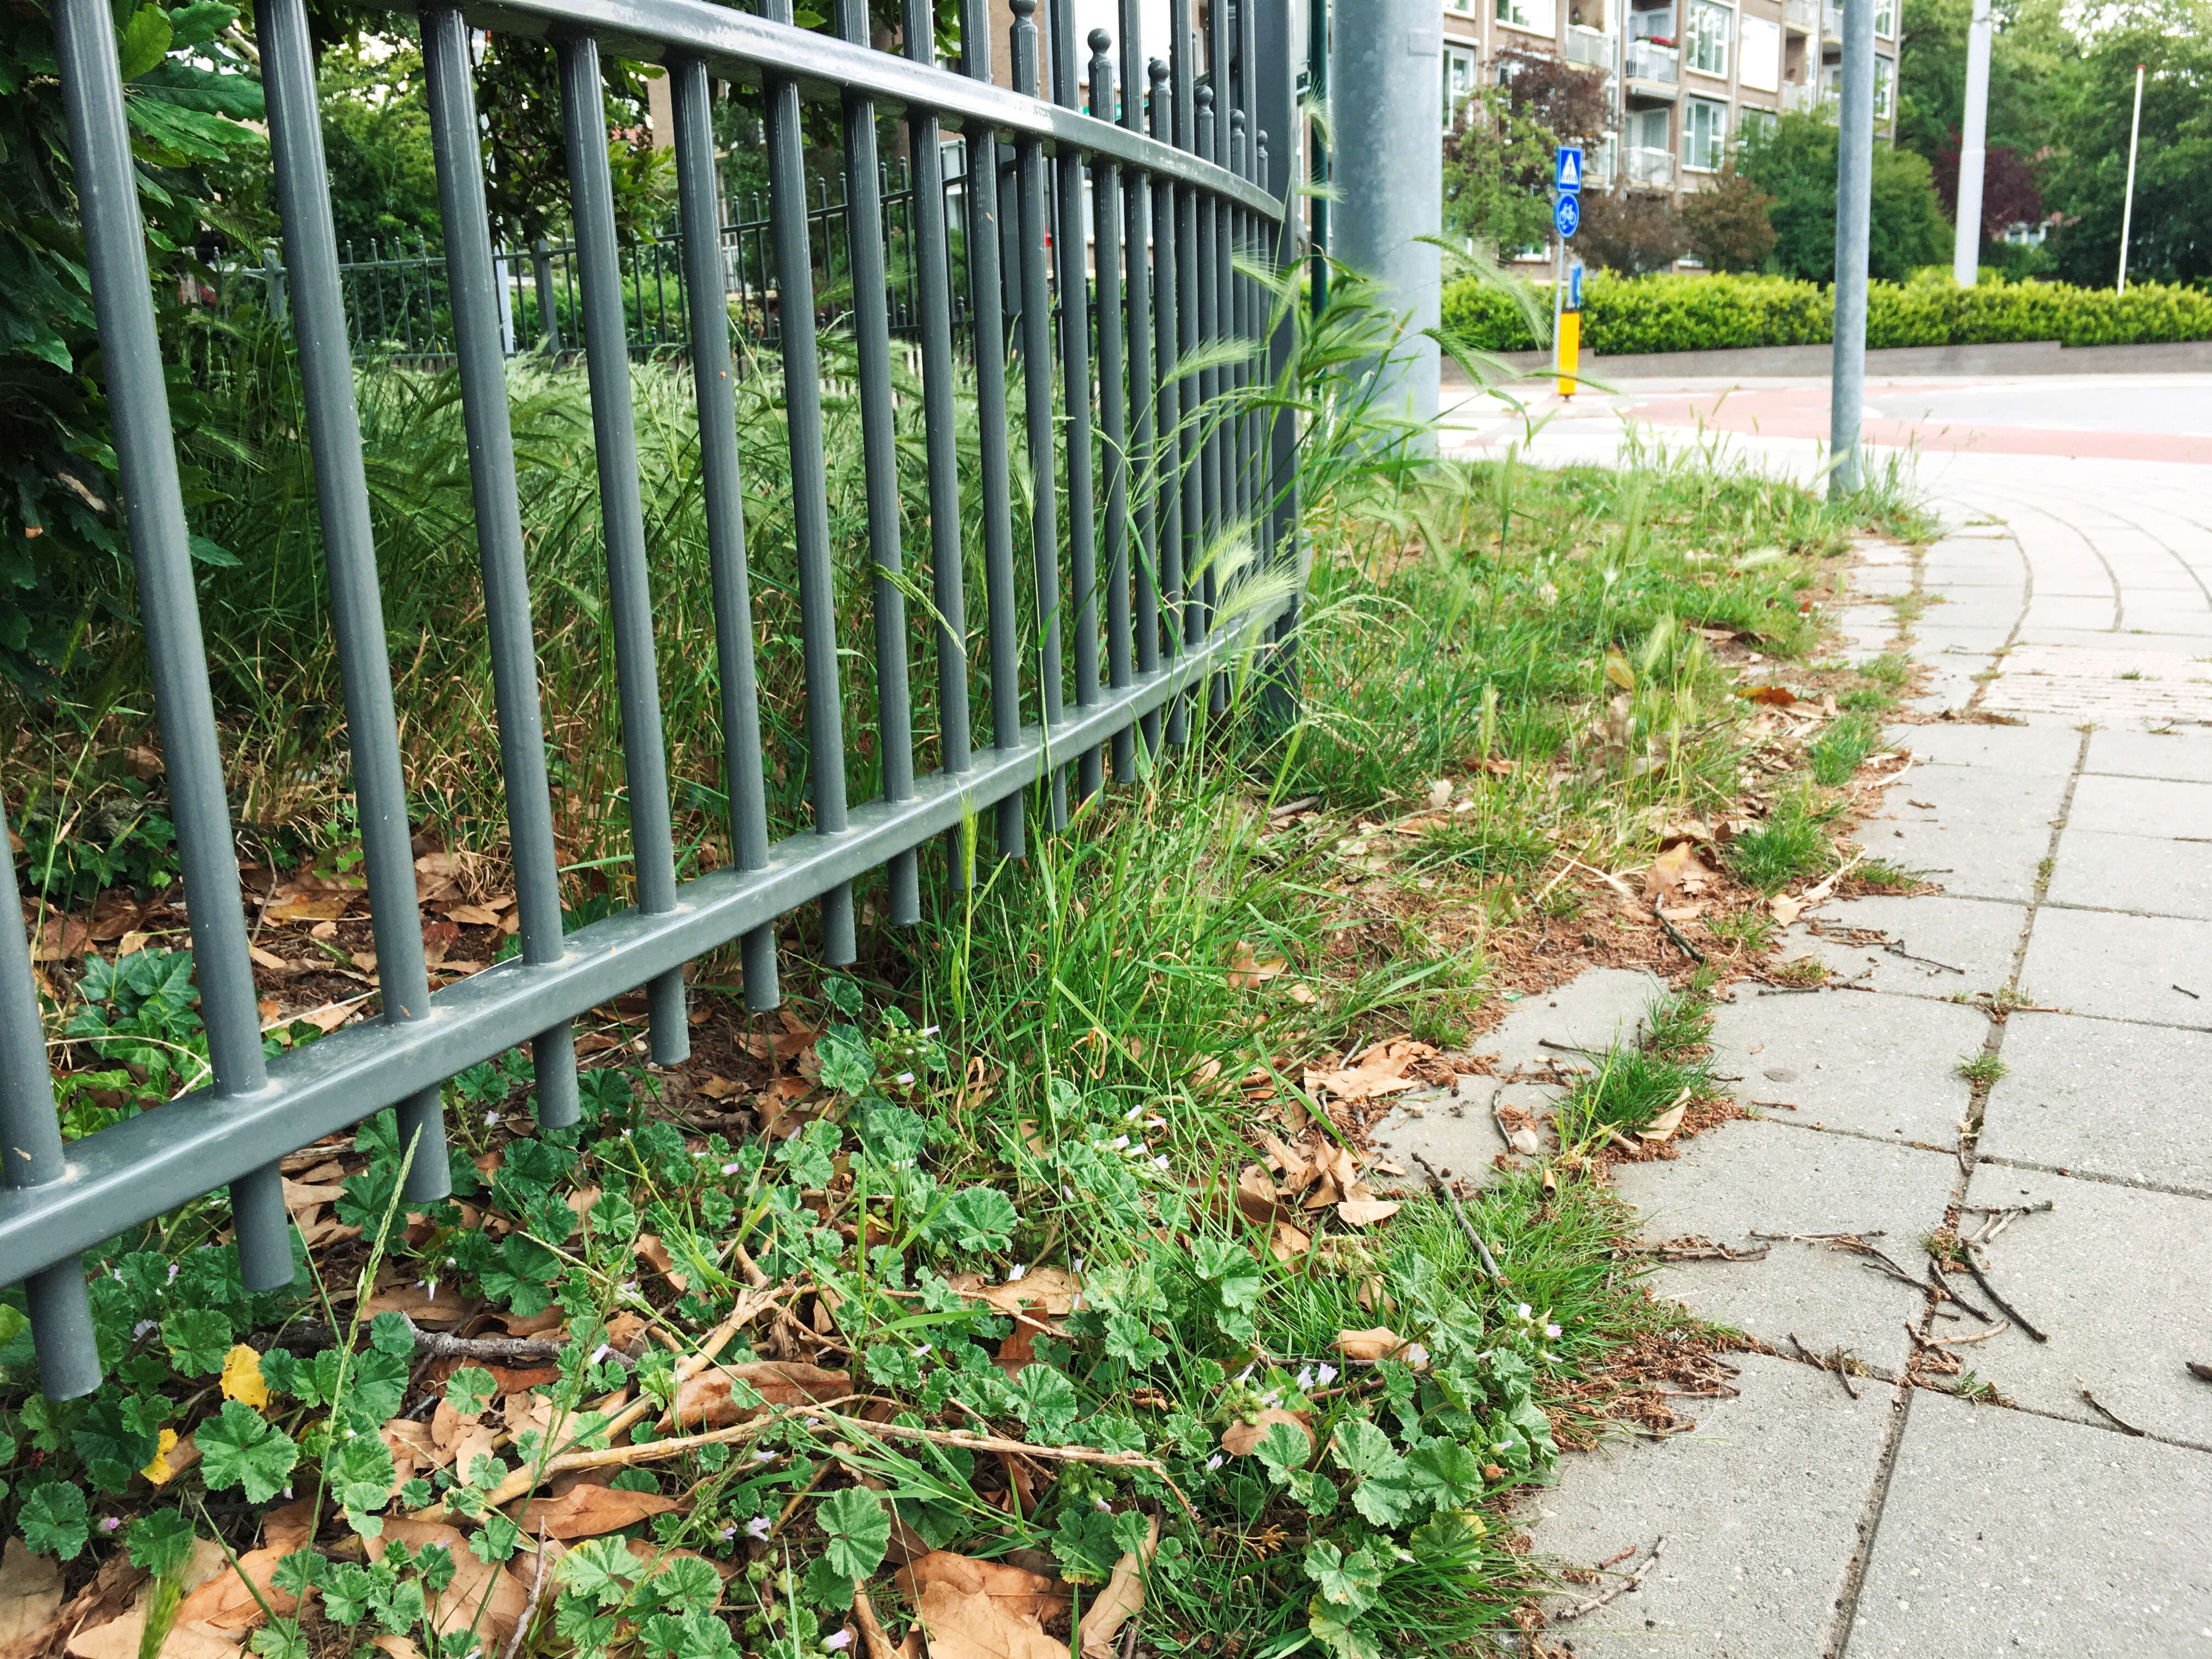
x,y
2199,1369
1674,934
873,1637
2117,1421
1833,1363
1438,1183
1936,1283
1991,1291
1961,1341
1618,1590
1699,1250
530,1605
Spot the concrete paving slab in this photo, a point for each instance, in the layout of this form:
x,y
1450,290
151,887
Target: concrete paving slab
x,y
2186,753
2118,1278
1962,635
2165,807
2121,967
1816,1053
2016,750
2134,873
1452,1128
2006,1534
1594,1010
1759,1175
1759,1505
1970,860
2072,613
1931,947
2142,638
1867,629
2103,1097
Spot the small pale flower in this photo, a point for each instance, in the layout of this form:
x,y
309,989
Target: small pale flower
x,y
729,1169
1325,1375
929,1030
837,1641
1524,1311
728,1532
1016,1272
1417,1356
758,1526
1121,1143
490,1118
429,1290
763,1458
173,1272
905,1078
142,1328
601,1351
1552,1331
110,1522
1069,1192
1305,1378
921,1350
1162,1160
1214,1461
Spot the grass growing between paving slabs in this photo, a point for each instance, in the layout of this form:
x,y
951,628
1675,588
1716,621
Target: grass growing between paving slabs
x,y
1028,1280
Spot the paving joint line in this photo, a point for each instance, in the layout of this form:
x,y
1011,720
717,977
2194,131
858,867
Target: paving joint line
x,y
2135,1184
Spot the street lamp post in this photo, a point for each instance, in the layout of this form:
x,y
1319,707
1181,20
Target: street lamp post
x,y
1974,145
2128,203
1854,194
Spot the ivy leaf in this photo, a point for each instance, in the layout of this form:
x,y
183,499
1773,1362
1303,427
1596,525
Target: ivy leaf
x,y
1383,1489
826,1587
160,1541
347,1590
1446,1473
197,1339
1045,1399
859,1531
685,1583
470,1389
974,1218
238,1447
1350,1582
53,1521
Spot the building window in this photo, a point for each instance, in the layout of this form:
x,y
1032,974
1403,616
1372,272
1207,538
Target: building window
x,y
1884,87
1752,122
1885,19
1707,44
1704,133
1538,16
1465,6
1759,54
1459,83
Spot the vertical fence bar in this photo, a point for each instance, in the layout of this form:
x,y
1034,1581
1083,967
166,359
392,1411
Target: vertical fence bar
x,y
379,782
31,1156
983,244
1274,82
1182,91
1037,387
872,332
1232,327
1113,399
791,223
722,484
621,518
138,401
1076,392
1137,213
1169,494
930,256
1208,425
451,101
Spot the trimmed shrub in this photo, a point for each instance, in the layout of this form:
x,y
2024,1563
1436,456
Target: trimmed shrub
x,y
1635,314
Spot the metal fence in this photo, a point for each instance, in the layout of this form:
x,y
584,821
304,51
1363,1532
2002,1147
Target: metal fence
x,y
398,308
1128,640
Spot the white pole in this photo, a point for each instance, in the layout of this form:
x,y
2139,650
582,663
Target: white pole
x,y
2128,207
1973,143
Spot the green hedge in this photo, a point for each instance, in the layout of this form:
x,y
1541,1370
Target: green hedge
x,y
1623,315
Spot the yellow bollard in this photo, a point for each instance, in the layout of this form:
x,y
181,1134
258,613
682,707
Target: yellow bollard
x,y
1571,343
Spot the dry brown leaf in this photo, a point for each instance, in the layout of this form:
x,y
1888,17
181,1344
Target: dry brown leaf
x,y
585,1512
289,1527
1289,1243
716,1087
1048,1290
1676,870
1379,1343
1256,1195
1249,972
1776,696
1122,1600
1662,1128
704,1402
482,1593
30,1592
1784,909
1379,1070
1240,1437
395,1647
1297,1169
983,1609
426,1306
473,915
1366,1212
227,1600
306,908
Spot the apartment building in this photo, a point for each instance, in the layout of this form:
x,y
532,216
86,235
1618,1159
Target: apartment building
x,y
1685,80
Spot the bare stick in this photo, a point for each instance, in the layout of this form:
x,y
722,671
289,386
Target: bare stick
x,y
530,1606
1935,1282
1835,1365
1438,1184
873,1637
2006,1209
1674,934
1991,1291
1618,1590
1961,1341
2118,1422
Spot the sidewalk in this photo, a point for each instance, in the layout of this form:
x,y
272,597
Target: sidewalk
x,y
2075,854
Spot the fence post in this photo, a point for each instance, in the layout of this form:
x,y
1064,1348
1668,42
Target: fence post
x,y
1278,115
272,273
541,280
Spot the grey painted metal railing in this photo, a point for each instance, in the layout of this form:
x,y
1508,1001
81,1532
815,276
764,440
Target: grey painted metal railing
x,y
1176,189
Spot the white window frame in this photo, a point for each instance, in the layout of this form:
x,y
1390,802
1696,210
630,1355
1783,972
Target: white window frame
x,y
1711,25
1755,116
1455,96
1764,28
1885,19
1539,17
1464,8
1719,151
1885,89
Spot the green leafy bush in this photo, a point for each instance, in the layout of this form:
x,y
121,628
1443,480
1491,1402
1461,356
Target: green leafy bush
x,y
1623,315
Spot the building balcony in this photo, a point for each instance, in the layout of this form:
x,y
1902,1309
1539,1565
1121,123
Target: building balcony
x,y
1799,98
1649,169
1591,47
1801,17
1656,63
1832,25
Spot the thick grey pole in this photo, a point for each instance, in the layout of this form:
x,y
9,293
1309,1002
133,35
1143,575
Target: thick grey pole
x,y
1854,188
1973,142
1386,164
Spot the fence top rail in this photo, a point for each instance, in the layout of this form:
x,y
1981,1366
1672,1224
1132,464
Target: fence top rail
x,y
738,47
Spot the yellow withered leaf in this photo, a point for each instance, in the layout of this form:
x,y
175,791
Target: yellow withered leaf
x,y
159,1470
241,1378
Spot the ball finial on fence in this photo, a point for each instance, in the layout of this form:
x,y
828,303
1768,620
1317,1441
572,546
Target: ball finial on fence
x,y
1158,70
1101,41
1204,92
1024,7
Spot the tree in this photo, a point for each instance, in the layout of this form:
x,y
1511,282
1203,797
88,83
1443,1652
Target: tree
x,y
2010,195
376,141
2171,238
1498,157
2033,75
1729,226
1795,162
1630,232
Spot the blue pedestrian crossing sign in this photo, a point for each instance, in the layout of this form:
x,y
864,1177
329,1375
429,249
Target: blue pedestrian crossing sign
x,y
1567,215
1574,288
1567,169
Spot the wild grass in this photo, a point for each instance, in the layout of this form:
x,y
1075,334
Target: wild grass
x,y
1789,843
